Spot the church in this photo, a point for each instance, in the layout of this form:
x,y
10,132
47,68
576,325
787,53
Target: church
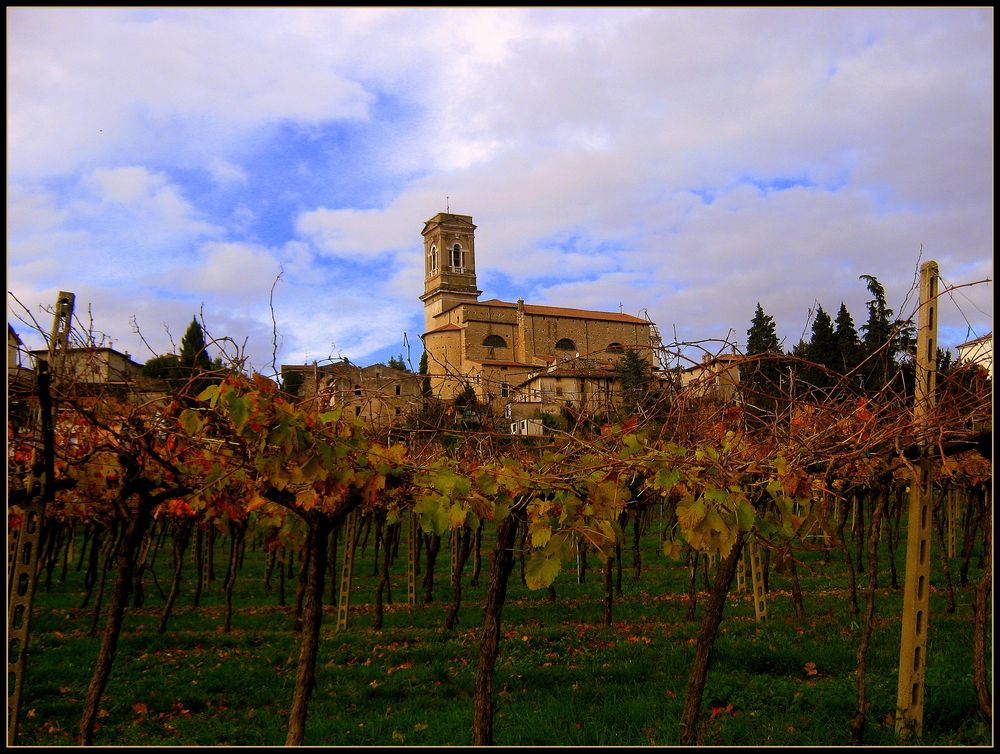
x,y
498,348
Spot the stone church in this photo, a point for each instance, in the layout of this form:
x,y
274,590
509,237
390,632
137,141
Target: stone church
x,y
499,347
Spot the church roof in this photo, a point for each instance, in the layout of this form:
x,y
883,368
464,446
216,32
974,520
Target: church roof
x,y
450,327
559,311
497,363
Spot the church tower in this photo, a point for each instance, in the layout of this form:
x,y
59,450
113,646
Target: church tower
x,y
449,264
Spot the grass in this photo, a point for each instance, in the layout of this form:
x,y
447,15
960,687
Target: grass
x,y
563,678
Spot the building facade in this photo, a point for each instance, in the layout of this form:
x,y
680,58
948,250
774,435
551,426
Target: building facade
x,y
492,346
978,351
376,394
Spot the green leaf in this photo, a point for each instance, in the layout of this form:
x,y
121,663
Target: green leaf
x,y
541,570
237,411
745,515
191,422
540,532
666,479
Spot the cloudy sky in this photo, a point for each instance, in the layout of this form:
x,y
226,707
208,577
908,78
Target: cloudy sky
x,y
234,163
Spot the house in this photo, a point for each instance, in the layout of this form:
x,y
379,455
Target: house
x,y
492,345
715,377
100,370
583,385
20,366
978,351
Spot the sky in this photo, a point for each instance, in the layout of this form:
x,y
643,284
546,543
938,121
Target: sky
x,y
269,170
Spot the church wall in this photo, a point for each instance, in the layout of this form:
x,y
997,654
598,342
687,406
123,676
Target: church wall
x,y
590,336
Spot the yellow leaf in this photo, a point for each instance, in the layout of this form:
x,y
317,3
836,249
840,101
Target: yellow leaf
x,y
306,499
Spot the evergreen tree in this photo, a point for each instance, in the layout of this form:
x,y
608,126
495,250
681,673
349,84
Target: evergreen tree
x,y
396,362
763,376
425,383
876,341
193,352
822,350
884,340
848,343
167,367
194,359
634,380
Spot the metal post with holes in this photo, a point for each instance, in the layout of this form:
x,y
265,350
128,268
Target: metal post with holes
x,y
951,509
411,559
741,574
344,602
23,553
757,577
916,587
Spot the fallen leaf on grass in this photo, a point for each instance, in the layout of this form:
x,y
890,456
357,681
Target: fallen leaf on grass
x,y
810,668
420,726
139,708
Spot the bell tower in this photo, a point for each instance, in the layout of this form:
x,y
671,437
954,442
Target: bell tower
x,y
449,264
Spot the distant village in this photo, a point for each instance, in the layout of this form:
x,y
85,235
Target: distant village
x,y
530,364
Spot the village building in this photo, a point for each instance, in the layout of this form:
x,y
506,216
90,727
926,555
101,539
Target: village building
x,y
103,371
716,377
376,394
978,351
495,347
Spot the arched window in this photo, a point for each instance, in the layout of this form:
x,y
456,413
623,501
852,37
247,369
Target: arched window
x,y
434,258
456,257
565,344
615,348
494,341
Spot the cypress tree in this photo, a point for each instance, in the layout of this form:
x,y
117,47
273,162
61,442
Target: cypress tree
x,y
763,376
193,353
848,343
823,350
634,380
878,348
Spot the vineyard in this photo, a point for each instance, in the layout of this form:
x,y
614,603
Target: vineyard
x,y
229,565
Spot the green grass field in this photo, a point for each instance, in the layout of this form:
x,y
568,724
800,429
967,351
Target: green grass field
x,y
563,678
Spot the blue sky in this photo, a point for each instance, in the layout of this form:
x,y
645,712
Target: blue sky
x,y
687,163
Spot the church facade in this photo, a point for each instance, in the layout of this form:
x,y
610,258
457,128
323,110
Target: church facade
x,y
496,347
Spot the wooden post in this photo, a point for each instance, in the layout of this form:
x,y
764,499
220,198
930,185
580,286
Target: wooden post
x,y
916,588
344,598
22,553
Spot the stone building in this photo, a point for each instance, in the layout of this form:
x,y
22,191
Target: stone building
x,y
376,394
493,346
101,371
715,377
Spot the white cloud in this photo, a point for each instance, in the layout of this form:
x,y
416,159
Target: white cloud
x,y
225,172
582,141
